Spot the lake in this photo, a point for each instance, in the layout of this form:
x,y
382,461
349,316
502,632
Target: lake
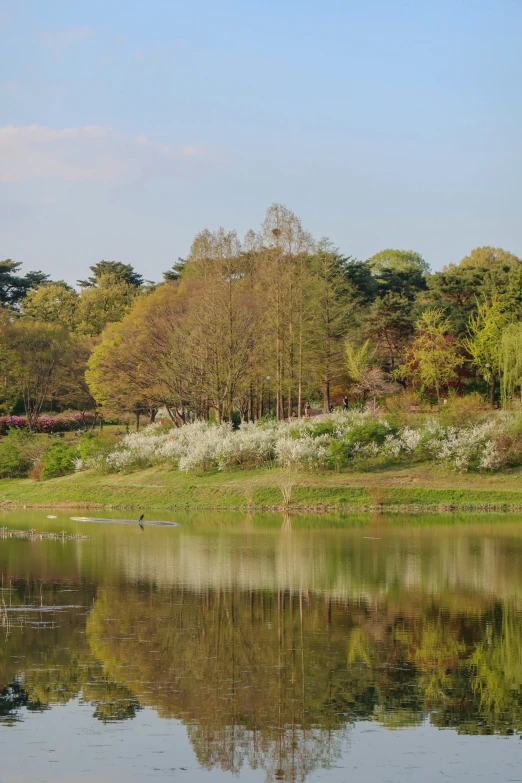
x,y
366,648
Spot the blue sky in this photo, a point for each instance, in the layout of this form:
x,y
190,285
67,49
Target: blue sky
x,y
127,127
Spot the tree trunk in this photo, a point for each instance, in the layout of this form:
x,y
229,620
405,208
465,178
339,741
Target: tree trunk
x,y
492,391
326,396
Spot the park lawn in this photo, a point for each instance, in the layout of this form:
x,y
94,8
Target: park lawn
x,y
414,486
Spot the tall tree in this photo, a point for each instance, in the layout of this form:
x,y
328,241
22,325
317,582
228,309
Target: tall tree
x,y
53,302
282,271
34,354
511,362
366,378
490,256
13,286
106,302
333,295
221,323
124,273
431,359
176,271
484,341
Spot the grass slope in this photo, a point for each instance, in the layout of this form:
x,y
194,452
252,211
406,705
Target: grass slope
x,y
416,486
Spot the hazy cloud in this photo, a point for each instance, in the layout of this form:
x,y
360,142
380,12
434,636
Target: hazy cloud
x,y
95,153
65,38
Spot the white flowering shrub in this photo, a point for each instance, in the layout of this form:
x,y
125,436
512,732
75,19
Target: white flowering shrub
x,y
305,452
337,440
462,447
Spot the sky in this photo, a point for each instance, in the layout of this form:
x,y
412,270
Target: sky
x,y
126,127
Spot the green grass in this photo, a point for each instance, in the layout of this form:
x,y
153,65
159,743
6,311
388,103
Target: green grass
x,y
415,486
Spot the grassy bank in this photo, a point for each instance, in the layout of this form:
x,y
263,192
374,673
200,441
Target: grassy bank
x,y
418,486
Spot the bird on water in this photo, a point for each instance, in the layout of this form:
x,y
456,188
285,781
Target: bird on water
x,y
140,521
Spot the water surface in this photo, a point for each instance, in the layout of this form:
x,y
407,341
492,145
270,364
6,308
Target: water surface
x,y
262,647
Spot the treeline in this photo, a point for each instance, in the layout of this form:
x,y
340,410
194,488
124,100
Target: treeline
x,y
268,324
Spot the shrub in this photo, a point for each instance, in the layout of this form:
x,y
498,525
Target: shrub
x,y
463,411
45,424
12,463
59,460
19,450
338,440
362,440
16,422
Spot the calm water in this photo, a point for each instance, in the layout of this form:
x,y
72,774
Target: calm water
x,y
364,649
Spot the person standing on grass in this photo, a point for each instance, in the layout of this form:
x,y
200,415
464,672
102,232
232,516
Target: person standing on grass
x,y
307,409
345,402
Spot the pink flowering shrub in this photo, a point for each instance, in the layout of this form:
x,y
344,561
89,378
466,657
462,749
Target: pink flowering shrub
x,y
45,424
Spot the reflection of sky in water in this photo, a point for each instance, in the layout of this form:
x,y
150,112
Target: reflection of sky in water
x,y
234,642
66,745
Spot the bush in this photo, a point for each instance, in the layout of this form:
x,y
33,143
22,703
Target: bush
x,y
12,463
463,411
363,440
270,416
19,450
45,424
59,460
95,444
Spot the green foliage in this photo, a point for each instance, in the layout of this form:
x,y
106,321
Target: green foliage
x,y
123,273
19,450
13,286
510,362
398,261
485,330
94,444
432,358
269,416
490,256
58,460
463,411
12,462
322,428
358,442
52,303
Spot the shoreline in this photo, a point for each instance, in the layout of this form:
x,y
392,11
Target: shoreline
x,y
414,488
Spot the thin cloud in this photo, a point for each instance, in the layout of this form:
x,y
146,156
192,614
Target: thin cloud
x,y
65,38
95,153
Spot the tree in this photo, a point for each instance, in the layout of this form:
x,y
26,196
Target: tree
x,y
387,309
52,303
145,361
389,322
366,378
490,256
282,272
106,302
456,289
33,355
431,359
332,315
175,272
398,261
510,362
124,273
221,320
13,286
483,343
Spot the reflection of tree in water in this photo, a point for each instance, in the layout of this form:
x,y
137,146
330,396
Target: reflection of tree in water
x,y
258,677
12,699
273,678
41,665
